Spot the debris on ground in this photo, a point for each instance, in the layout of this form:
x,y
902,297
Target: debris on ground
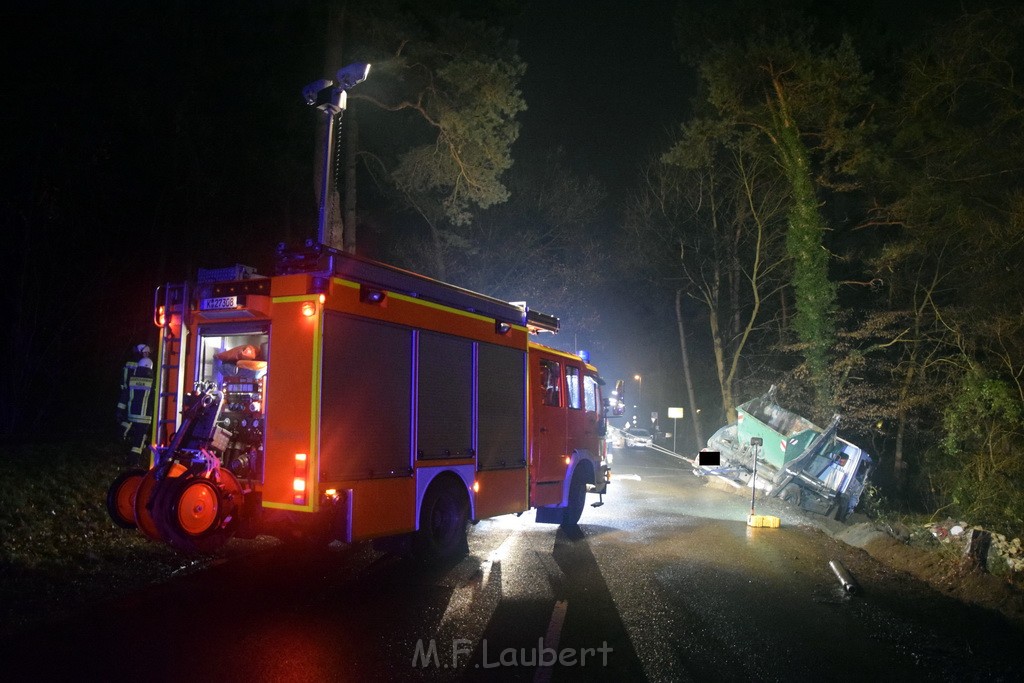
x,y
998,554
945,565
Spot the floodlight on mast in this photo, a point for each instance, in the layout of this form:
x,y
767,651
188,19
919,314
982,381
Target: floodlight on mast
x,y
331,97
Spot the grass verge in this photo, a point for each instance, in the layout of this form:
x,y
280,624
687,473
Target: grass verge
x,y
59,550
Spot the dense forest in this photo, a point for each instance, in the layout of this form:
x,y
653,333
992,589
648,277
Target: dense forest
x,y
839,210
844,209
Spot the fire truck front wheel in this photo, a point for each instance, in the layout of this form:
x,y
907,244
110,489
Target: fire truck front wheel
x,y
443,519
121,497
577,499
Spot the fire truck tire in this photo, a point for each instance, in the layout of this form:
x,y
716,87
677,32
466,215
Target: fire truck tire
x,y
145,495
443,520
195,514
577,499
121,497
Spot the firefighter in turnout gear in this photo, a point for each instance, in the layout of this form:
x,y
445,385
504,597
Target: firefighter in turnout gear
x,y
135,405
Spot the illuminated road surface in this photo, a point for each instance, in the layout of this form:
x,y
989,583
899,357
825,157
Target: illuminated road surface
x,y
665,582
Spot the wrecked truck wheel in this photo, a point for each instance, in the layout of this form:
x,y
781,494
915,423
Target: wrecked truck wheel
x,y
839,509
121,497
146,492
792,494
196,515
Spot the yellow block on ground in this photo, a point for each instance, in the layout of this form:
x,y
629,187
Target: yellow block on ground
x,y
763,521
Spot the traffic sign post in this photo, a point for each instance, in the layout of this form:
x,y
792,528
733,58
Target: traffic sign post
x,y
675,414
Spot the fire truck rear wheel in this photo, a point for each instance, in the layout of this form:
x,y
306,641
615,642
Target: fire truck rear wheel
x,y
577,499
443,519
121,497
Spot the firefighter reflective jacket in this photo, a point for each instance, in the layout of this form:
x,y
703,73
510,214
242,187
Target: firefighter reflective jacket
x,y
134,404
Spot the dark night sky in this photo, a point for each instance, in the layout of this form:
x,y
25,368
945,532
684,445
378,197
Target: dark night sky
x,y
116,78
136,137
603,81
142,130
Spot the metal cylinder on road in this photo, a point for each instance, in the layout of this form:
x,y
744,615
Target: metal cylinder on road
x,y
849,585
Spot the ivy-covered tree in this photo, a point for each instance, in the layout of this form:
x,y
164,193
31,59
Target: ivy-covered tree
x,y
808,105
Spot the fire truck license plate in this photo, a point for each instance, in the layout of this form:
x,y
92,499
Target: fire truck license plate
x,y
218,303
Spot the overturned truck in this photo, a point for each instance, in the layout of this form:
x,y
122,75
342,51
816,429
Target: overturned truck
x,y
789,457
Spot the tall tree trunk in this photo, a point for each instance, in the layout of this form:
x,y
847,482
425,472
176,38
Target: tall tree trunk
x,y
899,465
686,371
735,275
784,315
440,269
718,348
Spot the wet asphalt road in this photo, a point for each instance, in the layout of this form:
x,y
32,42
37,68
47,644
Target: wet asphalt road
x,y
665,582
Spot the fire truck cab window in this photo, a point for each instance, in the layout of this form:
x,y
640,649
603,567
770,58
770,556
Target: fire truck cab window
x,y
550,373
590,399
572,386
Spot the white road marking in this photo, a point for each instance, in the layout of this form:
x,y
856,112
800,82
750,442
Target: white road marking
x,y
551,639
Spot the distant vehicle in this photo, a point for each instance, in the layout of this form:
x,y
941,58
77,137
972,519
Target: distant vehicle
x,y
637,438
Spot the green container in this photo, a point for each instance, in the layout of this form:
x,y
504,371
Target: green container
x,y
785,434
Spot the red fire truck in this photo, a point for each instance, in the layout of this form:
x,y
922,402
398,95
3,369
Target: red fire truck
x,y
346,399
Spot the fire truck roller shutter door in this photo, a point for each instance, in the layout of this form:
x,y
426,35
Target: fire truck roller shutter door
x,y
366,404
501,423
444,400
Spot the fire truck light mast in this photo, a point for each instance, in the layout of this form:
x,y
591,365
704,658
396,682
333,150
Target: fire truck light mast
x,y
331,98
